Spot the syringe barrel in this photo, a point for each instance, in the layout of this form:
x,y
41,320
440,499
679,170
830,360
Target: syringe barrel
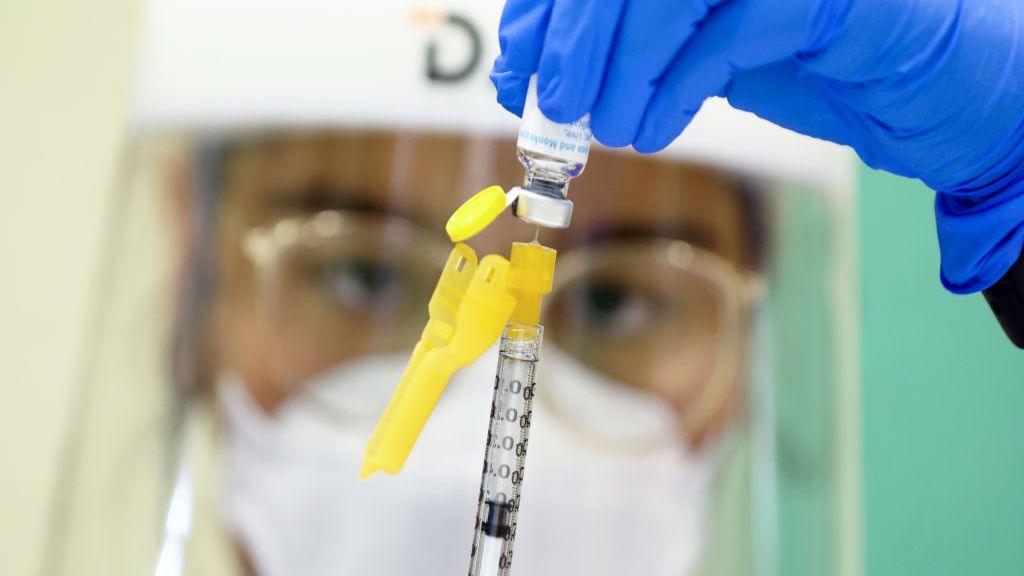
x,y
505,453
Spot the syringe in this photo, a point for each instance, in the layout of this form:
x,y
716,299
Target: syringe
x,y
552,155
505,453
467,311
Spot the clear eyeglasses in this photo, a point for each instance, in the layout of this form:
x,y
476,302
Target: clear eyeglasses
x,y
659,316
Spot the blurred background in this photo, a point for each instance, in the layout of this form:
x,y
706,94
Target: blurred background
x,y
942,432
59,155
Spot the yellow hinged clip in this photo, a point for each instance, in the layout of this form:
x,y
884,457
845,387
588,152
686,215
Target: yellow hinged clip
x,y
468,311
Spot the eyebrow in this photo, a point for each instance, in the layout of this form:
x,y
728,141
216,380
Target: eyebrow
x,y
320,198
696,235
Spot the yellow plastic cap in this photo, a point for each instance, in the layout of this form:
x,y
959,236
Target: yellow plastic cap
x,y
530,278
476,214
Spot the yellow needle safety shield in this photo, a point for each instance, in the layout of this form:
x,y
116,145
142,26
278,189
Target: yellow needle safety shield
x,y
468,311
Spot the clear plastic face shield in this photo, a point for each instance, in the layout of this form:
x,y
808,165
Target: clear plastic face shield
x,y
283,276
262,288
329,254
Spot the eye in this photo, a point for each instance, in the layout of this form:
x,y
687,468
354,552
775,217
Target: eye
x,y
361,283
618,309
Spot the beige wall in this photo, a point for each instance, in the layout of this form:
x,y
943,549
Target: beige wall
x,y
64,79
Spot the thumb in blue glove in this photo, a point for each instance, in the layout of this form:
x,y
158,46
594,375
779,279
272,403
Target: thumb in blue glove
x,y
931,90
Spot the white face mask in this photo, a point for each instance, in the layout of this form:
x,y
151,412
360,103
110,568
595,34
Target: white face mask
x,y
294,500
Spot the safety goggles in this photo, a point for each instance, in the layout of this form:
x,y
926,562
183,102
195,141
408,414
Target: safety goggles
x,y
657,315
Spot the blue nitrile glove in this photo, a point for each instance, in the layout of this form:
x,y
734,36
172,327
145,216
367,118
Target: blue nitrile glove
x,y
930,89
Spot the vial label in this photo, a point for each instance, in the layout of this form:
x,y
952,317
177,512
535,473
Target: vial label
x,y
537,134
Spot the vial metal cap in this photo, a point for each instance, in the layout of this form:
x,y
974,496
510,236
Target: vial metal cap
x,y
542,209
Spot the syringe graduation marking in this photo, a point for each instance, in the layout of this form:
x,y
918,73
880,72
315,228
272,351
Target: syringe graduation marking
x,y
505,455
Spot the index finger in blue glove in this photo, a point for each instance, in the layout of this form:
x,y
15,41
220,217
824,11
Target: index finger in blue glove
x,y
521,39
731,38
650,35
576,47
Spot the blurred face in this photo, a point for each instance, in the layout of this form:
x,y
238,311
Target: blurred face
x,y
330,246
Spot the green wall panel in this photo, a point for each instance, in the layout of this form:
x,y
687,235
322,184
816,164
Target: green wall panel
x,y
943,402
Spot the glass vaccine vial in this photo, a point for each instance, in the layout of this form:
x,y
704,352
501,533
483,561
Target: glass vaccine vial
x,y
552,154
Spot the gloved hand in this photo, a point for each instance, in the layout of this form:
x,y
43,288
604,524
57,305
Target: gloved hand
x,y
929,89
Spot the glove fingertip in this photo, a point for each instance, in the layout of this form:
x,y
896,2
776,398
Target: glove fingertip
x,y
611,140
615,121
649,147
511,91
609,134
556,99
649,140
